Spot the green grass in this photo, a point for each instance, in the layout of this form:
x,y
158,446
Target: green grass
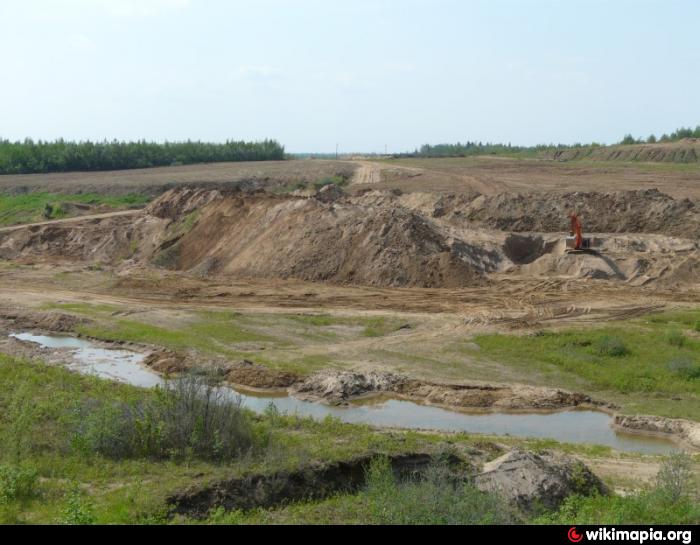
x,y
646,508
212,333
46,479
29,208
631,363
37,415
385,500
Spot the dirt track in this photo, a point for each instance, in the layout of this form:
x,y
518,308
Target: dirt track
x,y
86,218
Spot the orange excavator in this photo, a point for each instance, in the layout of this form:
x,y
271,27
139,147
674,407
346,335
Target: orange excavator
x,y
576,243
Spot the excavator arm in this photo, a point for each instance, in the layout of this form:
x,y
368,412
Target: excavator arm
x,y
577,231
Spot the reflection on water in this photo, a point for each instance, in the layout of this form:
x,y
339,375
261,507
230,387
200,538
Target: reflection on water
x,y
568,426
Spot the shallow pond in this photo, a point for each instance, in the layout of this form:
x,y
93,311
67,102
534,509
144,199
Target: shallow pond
x,y
575,426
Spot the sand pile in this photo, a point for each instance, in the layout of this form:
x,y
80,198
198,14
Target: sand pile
x,y
261,235
383,238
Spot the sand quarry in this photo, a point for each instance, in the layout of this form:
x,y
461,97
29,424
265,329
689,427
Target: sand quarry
x,y
457,262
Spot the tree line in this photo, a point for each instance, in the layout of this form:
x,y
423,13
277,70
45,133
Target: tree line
x,y
29,157
675,136
486,148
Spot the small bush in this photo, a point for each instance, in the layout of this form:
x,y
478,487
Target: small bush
x,y
435,498
676,338
612,347
675,478
78,511
16,483
191,418
684,367
670,501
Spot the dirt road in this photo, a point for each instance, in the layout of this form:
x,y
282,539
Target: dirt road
x,y
87,218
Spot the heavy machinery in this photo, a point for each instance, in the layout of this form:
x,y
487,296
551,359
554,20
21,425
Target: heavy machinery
x,y
576,243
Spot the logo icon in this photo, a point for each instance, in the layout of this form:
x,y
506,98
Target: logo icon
x,y
574,536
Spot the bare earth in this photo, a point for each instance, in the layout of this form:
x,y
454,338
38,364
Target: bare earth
x,y
449,248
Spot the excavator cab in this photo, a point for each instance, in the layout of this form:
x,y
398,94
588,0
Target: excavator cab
x,y
576,243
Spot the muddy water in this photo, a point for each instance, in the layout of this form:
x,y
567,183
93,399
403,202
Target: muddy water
x,y
569,426
120,365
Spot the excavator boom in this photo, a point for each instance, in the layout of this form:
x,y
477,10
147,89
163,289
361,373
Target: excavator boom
x,y
576,243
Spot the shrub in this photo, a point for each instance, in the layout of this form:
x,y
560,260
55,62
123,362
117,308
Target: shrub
x,y
16,483
613,347
669,502
192,417
435,498
675,478
685,367
676,338
78,510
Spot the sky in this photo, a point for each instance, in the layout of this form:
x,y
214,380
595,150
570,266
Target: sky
x,y
368,75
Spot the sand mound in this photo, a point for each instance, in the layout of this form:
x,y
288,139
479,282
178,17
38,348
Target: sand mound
x,y
341,241
383,239
647,211
683,151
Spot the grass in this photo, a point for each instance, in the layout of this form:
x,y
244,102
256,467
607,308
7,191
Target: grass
x,y
30,207
38,405
433,500
285,338
46,478
214,333
642,364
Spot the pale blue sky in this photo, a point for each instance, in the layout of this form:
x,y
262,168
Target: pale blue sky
x,y
363,73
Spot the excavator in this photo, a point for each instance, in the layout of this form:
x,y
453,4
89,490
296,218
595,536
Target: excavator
x,y
576,243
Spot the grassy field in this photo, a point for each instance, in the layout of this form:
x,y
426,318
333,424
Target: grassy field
x,y
31,207
154,181
646,366
650,365
47,475
290,342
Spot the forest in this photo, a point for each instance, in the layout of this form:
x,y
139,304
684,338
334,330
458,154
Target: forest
x,y
29,156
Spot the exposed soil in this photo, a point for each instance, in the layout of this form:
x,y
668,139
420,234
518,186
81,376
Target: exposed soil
x,y
523,479
311,483
337,387
155,181
381,239
683,151
688,432
44,321
530,481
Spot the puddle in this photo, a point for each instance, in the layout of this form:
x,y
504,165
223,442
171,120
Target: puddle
x,y
120,365
575,426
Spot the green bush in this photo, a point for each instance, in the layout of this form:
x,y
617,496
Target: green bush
x,y
670,501
613,347
16,483
675,478
190,418
676,338
685,367
78,510
435,498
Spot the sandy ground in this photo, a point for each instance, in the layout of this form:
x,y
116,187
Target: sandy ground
x,y
506,290
495,175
